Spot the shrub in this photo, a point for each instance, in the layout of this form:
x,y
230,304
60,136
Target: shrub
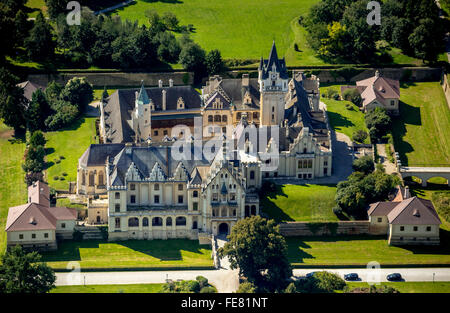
x,y
359,136
57,161
55,177
203,281
194,286
348,107
331,93
364,164
208,289
246,287
352,95
442,202
64,174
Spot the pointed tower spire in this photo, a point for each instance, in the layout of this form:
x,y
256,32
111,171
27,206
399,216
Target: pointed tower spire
x,y
143,96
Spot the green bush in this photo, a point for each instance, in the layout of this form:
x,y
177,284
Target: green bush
x,y
359,136
64,174
331,93
441,201
55,177
203,281
209,289
246,287
352,95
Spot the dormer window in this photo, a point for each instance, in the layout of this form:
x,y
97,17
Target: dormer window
x,y
180,104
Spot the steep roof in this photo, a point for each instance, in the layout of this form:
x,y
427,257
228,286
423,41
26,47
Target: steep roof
x,y
378,88
29,88
39,193
414,211
280,64
96,154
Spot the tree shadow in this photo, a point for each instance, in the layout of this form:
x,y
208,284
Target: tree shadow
x,y
337,120
295,251
270,208
408,115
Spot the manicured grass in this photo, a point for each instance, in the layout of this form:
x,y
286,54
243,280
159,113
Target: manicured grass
x,y
99,92
13,189
65,202
70,144
300,203
239,29
410,287
35,6
421,133
134,288
360,250
342,119
132,253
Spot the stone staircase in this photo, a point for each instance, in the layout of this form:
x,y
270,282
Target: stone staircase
x,y
90,232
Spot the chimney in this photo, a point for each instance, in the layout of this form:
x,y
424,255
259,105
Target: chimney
x,y
245,80
171,82
164,100
160,83
407,194
377,73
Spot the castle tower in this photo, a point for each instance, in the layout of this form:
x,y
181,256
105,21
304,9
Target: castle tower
x,y
142,115
273,85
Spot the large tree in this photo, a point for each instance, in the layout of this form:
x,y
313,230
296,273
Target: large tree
x,y
40,44
21,272
78,91
12,101
37,112
56,7
258,249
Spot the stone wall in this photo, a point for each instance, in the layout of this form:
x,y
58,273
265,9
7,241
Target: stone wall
x,y
293,229
100,80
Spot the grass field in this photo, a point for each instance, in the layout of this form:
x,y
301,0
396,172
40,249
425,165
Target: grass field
x,y
135,288
69,143
13,189
410,287
342,119
132,253
309,203
360,250
421,133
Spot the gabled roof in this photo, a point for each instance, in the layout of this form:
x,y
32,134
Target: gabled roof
x,y
381,208
29,88
414,211
96,154
39,193
378,88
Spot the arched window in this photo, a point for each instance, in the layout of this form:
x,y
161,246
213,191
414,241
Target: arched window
x,y
169,221
145,222
83,178
224,118
210,118
194,225
157,221
180,221
91,179
100,178
217,118
133,222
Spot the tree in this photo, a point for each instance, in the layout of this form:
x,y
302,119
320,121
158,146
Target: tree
x,y
22,272
256,246
192,57
12,101
39,44
364,164
352,95
169,48
52,92
65,114
37,139
378,123
359,136
426,40
78,91
170,21
56,7
37,112
246,287
214,62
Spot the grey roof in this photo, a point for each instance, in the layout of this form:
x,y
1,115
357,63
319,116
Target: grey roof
x,y
414,211
96,154
266,65
381,208
119,106
29,88
196,177
145,158
235,91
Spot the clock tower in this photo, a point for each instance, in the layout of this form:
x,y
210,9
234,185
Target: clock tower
x,y
273,86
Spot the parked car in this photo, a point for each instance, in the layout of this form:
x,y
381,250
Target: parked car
x,y
351,276
394,277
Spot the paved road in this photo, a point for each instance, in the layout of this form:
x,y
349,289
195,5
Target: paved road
x,y
227,280
408,274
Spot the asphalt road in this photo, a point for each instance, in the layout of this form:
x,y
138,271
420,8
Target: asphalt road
x,y
227,280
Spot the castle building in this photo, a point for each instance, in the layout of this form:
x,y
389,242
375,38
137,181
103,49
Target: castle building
x,y
269,127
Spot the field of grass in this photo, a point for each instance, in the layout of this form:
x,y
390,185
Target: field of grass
x,y
342,119
309,203
134,288
69,143
410,287
421,133
13,189
239,29
360,250
132,253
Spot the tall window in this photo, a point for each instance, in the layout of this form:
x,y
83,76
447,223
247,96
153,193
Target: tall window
x,y
195,194
180,199
252,174
117,195
100,179
169,221
180,187
195,206
132,199
156,199
117,207
132,187
117,222
145,222
157,221
156,187
91,179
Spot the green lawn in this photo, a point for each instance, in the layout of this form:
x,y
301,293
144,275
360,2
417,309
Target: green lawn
x,y
342,119
35,6
411,287
13,189
134,288
309,203
239,29
360,250
421,133
70,144
131,253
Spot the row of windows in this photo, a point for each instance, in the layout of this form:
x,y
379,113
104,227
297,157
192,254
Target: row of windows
x,y
156,188
156,199
305,164
33,236
415,228
101,180
217,118
156,221
239,115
